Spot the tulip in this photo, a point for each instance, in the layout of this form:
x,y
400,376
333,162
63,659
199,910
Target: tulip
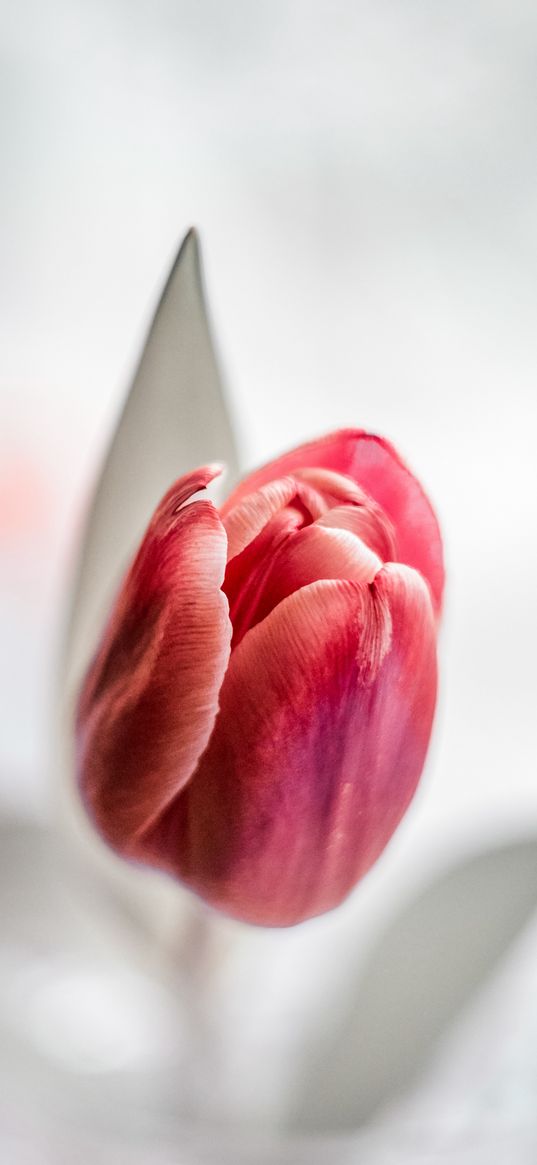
x,y
257,715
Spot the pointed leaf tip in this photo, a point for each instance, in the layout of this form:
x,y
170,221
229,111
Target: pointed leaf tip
x,y
175,416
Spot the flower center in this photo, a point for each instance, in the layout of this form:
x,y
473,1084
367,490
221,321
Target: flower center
x,y
326,531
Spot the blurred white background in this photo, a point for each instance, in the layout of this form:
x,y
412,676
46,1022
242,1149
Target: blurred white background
x,y
364,178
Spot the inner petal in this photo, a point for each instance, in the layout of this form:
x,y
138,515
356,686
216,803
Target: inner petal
x,y
312,553
351,508
245,520
368,522
247,572
290,553
277,543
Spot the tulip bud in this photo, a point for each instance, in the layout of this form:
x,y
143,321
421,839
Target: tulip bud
x,y
257,715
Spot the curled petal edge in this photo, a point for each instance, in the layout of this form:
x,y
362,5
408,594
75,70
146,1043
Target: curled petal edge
x,y
151,695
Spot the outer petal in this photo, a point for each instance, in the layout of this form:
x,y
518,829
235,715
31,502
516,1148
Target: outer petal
x,y
377,467
326,711
150,698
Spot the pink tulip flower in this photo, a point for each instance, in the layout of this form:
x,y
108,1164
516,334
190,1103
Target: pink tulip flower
x,y
257,716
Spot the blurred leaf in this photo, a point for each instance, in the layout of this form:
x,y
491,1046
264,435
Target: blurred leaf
x,y
175,417
424,969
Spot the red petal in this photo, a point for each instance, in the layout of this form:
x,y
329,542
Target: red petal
x,y
369,523
245,521
326,711
150,698
375,465
313,553
247,573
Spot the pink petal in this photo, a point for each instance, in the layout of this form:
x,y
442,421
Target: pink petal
x,y
349,507
334,486
247,573
369,523
150,698
312,553
326,712
376,466
245,521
